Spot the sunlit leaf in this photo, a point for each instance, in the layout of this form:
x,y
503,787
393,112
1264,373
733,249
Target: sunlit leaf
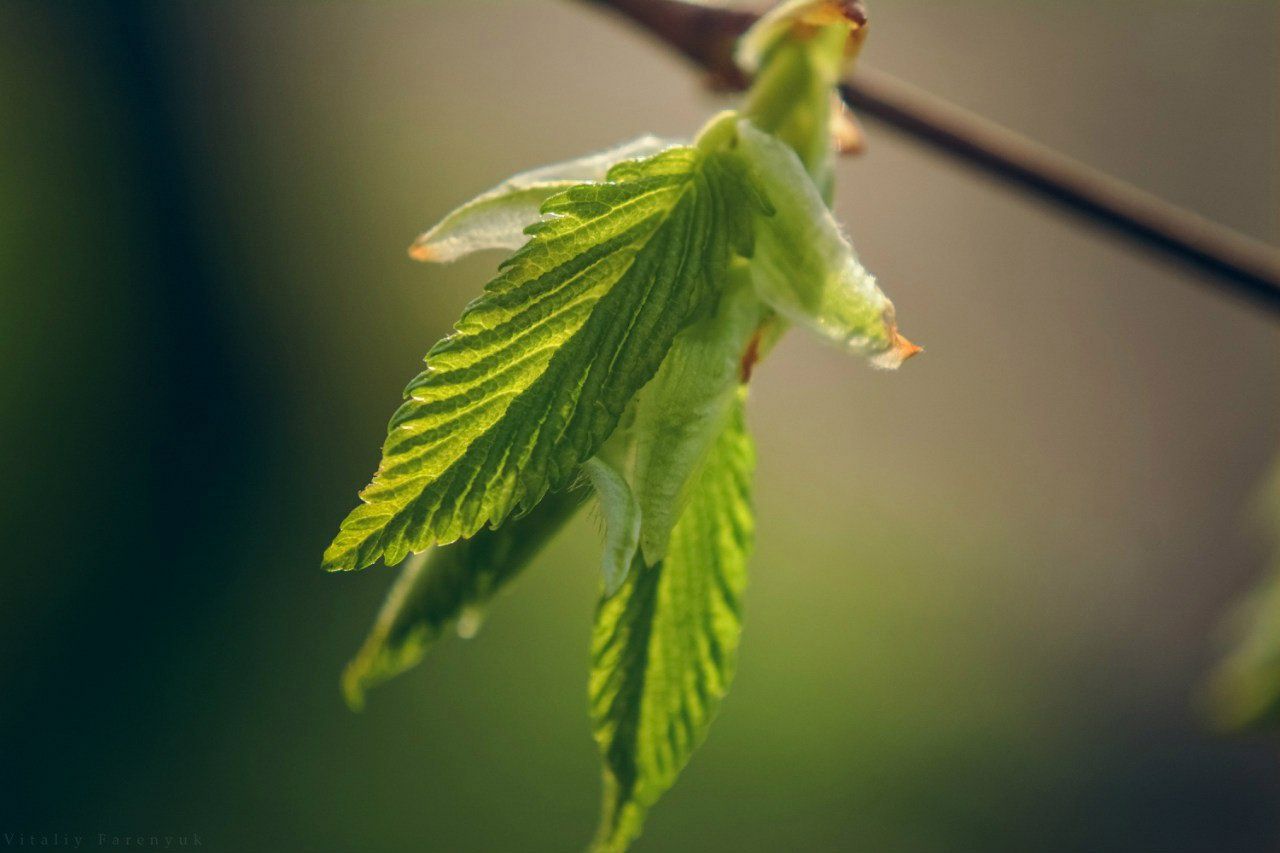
x,y
806,269
665,644
614,348
497,218
543,364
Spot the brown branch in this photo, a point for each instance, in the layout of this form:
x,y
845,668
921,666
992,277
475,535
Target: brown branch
x,y
1239,265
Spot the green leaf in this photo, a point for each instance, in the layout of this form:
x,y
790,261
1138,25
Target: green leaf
x,y
497,218
621,520
794,22
450,585
681,413
664,646
798,52
804,267
543,364
1245,690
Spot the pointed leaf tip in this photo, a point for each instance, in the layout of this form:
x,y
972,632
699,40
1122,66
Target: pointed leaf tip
x,y
905,346
621,520
847,137
900,349
421,250
353,688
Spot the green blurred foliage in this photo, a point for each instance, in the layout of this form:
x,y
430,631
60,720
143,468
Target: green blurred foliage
x,y
1245,690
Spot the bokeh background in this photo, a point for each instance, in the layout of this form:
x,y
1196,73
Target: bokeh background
x,y
987,588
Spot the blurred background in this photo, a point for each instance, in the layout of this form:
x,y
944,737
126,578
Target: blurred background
x,y
987,588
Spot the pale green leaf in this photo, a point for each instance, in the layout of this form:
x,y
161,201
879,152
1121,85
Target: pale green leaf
x,y
543,364
450,585
806,269
680,414
497,218
621,515
797,52
665,644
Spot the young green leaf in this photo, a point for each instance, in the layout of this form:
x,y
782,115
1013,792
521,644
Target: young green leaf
x,y
450,585
664,645
621,520
798,52
497,219
805,268
543,364
680,414
781,26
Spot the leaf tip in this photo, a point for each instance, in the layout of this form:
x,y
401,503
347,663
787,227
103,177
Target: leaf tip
x,y
335,561
852,13
847,137
905,347
424,251
900,349
341,556
750,356
469,622
353,686
653,548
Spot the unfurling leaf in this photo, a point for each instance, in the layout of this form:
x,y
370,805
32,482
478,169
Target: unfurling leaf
x,y
781,25
497,218
799,51
621,521
804,267
450,585
543,364
681,413
665,644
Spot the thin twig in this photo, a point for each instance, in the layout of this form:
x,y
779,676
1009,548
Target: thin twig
x,y
1239,265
